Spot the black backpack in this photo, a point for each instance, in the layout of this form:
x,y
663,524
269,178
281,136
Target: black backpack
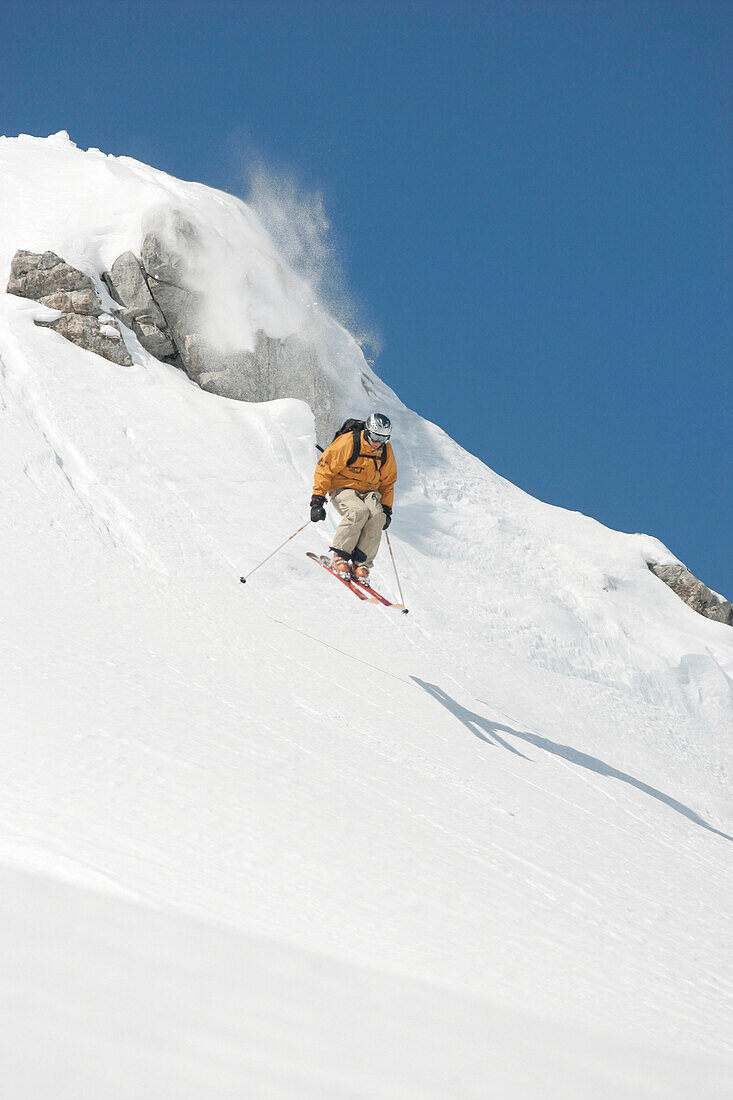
x,y
356,427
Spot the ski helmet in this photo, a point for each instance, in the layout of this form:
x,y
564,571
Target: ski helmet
x,y
378,428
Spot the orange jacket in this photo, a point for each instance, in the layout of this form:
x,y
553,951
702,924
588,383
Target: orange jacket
x,y
364,475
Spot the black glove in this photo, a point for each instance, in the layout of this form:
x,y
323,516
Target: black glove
x,y
318,512
387,516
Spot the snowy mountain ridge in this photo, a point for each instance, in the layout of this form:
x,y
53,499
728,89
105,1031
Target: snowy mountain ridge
x,y
518,795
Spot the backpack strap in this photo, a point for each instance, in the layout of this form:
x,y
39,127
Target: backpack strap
x,y
356,433
356,449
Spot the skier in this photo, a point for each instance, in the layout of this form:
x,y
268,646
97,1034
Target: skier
x,y
359,471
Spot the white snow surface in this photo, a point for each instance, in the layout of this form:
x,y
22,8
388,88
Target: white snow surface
x,y
264,840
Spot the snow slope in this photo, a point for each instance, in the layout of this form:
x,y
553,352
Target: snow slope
x,y
445,854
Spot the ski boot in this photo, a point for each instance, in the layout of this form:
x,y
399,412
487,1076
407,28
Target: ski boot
x,y
361,574
340,565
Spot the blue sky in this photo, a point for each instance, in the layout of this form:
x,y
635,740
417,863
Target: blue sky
x,y
530,203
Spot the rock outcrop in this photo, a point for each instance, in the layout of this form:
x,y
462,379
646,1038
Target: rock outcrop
x,y
275,368
695,594
128,285
47,278
178,273
164,296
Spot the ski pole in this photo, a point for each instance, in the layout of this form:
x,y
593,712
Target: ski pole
x,y
394,563
272,555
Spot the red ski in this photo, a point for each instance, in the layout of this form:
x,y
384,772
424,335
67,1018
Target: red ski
x,y
349,582
379,597
363,591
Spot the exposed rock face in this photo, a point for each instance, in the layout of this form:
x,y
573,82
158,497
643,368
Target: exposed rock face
x,y
46,278
162,297
695,594
169,277
44,275
275,368
128,285
99,335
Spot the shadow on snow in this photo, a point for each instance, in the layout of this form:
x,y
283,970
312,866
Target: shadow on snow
x,y
487,730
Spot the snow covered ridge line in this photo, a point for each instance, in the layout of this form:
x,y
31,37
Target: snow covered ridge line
x,y
191,270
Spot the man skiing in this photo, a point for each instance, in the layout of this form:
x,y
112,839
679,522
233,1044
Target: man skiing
x,y
359,472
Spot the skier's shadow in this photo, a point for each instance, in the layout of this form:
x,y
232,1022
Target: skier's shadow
x,y
481,727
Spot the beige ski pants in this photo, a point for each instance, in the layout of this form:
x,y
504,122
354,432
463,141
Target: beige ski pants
x,y
361,525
